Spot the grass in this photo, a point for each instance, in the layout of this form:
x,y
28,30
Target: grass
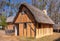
x,y
54,37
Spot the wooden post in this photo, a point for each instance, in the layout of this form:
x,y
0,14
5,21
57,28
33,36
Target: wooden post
x,y
35,29
15,31
58,29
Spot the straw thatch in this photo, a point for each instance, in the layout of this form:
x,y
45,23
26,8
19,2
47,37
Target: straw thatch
x,y
10,19
40,17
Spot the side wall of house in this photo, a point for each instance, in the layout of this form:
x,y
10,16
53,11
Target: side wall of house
x,y
10,26
27,32
44,30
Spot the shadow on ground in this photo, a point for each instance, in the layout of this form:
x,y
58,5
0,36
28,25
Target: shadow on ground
x,y
57,39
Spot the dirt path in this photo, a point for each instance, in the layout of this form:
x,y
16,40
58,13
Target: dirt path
x,y
4,37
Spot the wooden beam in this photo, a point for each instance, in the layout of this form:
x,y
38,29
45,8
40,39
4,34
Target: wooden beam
x,y
26,30
35,29
23,29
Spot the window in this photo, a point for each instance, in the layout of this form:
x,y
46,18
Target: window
x,y
39,25
25,25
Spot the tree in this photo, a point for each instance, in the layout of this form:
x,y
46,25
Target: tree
x,y
2,4
3,21
54,10
13,7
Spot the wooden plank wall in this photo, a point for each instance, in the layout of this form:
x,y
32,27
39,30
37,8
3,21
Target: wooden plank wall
x,y
21,30
24,17
44,30
27,32
10,26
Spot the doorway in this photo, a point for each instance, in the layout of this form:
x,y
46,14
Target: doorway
x,y
16,29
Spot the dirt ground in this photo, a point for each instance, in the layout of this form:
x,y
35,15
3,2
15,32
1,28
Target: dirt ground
x,y
4,37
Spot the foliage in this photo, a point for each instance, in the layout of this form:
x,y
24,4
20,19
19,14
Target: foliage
x,y
11,14
40,0
42,6
2,4
11,7
54,10
3,20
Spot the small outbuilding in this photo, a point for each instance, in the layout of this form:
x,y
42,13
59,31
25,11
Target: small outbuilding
x,y
10,25
32,22
56,28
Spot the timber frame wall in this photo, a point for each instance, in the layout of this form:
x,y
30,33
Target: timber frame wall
x,y
29,31
34,30
44,30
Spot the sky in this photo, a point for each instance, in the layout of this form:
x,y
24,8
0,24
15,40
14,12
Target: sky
x,y
8,9
17,1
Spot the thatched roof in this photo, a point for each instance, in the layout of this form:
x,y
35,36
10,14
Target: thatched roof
x,y
10,19
40,17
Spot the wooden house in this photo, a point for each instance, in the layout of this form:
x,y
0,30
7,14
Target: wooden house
x,y
32,22
56,28
10,29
